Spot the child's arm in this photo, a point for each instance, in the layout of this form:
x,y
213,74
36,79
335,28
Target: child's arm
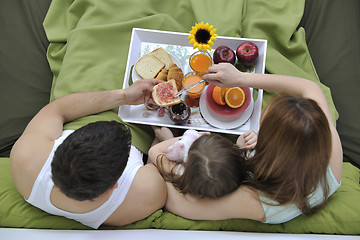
x,y
161,134
159,149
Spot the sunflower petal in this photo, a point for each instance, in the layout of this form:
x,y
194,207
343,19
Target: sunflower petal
x,y
192,41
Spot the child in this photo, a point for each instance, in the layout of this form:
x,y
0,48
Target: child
x,y
202,164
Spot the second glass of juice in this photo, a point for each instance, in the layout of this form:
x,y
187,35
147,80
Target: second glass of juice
x,y
192,78
200,61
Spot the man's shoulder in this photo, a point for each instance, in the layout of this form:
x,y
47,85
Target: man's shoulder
x,y
149,187
26,161
146,195
148,182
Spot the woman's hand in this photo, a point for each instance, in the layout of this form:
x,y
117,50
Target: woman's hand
x,y
140,91
224,75
247,140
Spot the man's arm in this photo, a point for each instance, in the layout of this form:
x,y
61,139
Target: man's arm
x,y
33,147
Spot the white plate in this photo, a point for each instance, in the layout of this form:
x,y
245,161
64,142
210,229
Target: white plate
x,y
136,76
224,122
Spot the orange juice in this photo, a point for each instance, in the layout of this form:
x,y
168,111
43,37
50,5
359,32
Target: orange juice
x,y
192,78
200,61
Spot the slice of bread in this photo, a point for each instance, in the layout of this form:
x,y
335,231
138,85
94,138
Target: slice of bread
x,y
163,56
175,73
148,66
164,94
162,75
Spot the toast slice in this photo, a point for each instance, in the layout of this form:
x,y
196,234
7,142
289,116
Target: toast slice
x,y
163,56
162,75
175,73
148,66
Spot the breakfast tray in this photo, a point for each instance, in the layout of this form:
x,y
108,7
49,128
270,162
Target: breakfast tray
x,y
177,44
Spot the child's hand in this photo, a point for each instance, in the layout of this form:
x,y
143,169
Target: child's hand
x,y
247,140
162,134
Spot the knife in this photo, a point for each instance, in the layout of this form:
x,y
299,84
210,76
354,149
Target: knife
x,y
187,88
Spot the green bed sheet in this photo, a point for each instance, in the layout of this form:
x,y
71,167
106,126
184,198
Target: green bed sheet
x,y
89,42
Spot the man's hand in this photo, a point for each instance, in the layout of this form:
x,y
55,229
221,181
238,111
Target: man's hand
x,y
140,91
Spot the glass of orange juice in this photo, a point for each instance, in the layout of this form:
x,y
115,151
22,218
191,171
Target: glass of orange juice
x,y
200,61
190,79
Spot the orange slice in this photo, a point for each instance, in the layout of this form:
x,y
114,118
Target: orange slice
x,y
218,95
235,97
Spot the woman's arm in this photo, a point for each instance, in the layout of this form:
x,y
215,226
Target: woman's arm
x,y
242,203
226,75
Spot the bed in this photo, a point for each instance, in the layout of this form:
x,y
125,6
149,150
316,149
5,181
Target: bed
x,y
53,48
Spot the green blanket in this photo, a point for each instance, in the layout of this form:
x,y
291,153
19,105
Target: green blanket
x,y
89,42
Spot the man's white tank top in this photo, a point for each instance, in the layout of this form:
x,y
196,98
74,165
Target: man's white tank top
x,y
40,193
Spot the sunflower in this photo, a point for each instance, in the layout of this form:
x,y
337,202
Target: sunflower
x,y
202,36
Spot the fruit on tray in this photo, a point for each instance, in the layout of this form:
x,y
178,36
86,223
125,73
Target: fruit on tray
x,y
235,97
224,54
218,95
247,53
164,93
232,97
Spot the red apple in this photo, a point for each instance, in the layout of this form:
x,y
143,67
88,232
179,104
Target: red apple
x,y
224,54
247,53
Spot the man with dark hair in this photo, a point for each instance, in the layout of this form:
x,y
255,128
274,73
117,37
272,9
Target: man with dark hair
x,y
93,175
91,159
